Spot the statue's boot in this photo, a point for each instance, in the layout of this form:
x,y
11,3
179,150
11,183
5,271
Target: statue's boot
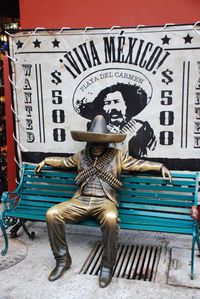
x,y
105,276
110,232
61,267
57,239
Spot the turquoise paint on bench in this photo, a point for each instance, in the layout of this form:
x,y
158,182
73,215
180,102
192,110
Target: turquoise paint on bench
x,y
147,201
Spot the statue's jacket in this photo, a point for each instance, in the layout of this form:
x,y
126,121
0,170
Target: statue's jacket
x,y
119,162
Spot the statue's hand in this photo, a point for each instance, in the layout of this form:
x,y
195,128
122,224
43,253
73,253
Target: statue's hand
x,y
166,173
194,213
39,166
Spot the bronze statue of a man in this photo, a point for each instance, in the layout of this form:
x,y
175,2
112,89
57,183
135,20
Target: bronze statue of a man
x,y
99,167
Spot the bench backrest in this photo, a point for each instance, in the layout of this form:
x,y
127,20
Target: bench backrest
x,y
152,203
147,201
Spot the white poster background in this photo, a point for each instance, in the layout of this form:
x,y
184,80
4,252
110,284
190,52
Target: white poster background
x,y
54,73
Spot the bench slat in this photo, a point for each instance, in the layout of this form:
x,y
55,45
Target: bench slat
x,y
46,198
36,203
35,179
31,209
156,229
53,173
175,174
53,187
44,192
158,214
159,188
158,201
151,207
153,195
158,221
185,174
158,181
25,216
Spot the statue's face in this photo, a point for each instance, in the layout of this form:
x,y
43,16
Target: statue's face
x,y
97,149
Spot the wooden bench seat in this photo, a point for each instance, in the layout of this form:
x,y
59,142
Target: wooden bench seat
x,y
147,201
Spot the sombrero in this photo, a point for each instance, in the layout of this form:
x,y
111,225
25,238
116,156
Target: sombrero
x,y
98,133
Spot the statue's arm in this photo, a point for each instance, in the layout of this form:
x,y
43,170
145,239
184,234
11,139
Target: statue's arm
x,y
129,163
58,162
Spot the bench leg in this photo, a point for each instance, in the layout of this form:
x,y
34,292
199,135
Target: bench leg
x,y
22,224
14,230
197,238
198,244
30,235
192,255
4,251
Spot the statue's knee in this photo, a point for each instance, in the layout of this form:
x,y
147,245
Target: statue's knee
x,y
51,214
111,217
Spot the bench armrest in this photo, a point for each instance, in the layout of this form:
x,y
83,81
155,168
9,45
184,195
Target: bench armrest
x,y
10,199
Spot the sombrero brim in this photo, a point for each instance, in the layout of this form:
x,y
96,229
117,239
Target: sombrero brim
x,y
97,137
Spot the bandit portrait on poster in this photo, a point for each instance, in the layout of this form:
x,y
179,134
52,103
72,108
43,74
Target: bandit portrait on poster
x,y
119,104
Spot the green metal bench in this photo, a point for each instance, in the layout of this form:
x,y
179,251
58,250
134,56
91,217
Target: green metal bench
x,y
147,201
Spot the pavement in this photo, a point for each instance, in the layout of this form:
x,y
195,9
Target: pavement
x,y
24,270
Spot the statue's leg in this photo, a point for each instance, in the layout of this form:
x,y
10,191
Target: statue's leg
x,y
108,218
56,217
